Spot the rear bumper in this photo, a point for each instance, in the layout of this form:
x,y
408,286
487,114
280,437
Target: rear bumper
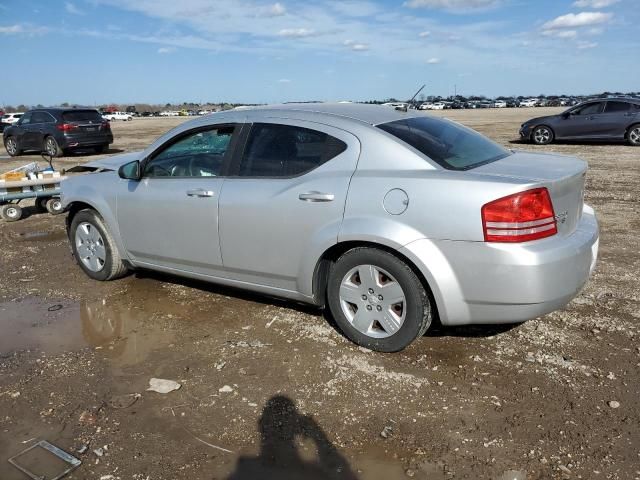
x,y
78,141
480,283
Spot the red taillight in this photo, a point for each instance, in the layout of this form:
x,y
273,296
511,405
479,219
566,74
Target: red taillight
x,y
106,125
65,127
520,217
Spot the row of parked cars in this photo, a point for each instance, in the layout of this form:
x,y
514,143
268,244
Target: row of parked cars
x,y
508,103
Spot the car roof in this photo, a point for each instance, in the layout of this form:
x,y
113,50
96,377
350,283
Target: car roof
x,y
365,113
614,99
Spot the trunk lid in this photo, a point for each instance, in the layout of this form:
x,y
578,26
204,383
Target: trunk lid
x,y
563,176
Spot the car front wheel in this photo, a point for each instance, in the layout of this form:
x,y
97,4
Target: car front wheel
x,y
11,146
94,248
634,136
542,135
377,300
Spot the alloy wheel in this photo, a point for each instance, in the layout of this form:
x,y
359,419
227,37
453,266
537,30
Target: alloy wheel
x,y
51,147
542,135
90,247
372,301
11,146
634,136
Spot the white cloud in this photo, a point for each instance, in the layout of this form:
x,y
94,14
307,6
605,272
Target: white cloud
x,y
452,5
594,3
585,45
424,34
433,61
356,46
71,8
296,32
24,29
560,33
275,10
582,19
165,50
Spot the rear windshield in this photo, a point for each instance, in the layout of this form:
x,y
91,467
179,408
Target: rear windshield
x,y
450,145
82,116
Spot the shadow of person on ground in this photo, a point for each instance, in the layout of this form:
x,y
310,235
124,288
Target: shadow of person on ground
x,y
281,426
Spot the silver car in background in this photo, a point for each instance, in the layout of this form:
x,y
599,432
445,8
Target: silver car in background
x,y
388,218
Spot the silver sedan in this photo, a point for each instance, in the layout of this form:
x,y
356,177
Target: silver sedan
x,y
388,218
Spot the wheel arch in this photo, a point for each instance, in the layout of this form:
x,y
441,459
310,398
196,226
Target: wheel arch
x,y
533,129
330,255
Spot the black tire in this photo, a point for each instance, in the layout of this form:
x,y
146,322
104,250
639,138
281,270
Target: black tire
x,y
41,204
113,266
417,317
633,135
102,148
50,147
11,212
542,135
11,146
54,206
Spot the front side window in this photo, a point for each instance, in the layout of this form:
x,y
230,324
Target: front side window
x,y
589,109
617,107
450,145
286,151
198,154
24,119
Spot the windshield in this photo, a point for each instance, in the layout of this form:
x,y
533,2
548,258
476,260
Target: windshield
x,y
82,116
450,145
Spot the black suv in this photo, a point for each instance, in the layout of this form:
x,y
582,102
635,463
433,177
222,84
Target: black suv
x,y
57,130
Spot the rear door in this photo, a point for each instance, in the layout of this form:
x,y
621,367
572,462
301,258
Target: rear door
x,y
615,119
285,201
169,218
37,128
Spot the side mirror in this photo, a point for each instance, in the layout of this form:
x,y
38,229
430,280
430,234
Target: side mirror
x,y
130,171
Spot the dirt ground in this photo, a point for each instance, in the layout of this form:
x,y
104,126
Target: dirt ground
x,y
269,389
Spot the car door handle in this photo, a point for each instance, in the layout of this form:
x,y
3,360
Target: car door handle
x,y
316,197
199,192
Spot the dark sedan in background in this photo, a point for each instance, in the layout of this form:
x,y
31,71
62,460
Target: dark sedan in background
x,y
610,119
58,130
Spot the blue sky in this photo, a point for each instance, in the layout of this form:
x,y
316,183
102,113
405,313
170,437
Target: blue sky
x,y
157,51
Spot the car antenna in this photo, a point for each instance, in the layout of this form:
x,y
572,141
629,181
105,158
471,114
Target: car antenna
x,y
404,109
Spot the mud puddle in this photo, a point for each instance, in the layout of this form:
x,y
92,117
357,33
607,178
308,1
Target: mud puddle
x,y
124,334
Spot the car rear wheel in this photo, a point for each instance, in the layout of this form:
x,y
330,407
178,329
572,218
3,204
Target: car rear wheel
x,y
11,146
377,300
11,212
50,147
94,247
542,135
633,137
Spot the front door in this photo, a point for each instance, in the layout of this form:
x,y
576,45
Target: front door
x,y
170,217
583,121
285,202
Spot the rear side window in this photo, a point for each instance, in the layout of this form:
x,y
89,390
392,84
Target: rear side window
x,y
286,151
615,107
42,117
82,116
589,109
450,145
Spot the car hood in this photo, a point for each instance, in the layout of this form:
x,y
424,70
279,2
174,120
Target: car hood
x,y
541,119
107,163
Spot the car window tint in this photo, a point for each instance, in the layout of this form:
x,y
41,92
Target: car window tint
x,y
614,107
82,116
590,109
450,145
40,117
286,151
199,154
25,119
